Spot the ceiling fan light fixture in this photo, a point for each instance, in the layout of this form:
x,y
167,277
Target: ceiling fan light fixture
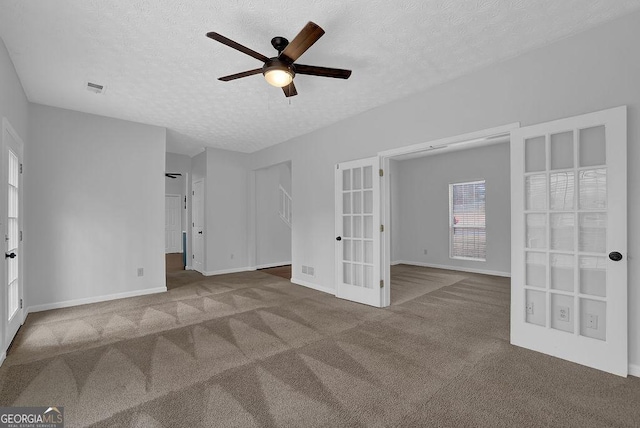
x,y
278,77
278,73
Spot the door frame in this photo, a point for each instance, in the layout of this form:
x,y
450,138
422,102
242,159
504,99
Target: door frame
x,y
190,228
22,311
475,139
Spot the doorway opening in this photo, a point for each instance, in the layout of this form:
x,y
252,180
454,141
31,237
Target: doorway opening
x,y
273,219
175,221
429,228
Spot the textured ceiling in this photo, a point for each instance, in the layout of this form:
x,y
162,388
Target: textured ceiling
x,y
160,69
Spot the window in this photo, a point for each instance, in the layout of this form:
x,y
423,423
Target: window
x,y
467,233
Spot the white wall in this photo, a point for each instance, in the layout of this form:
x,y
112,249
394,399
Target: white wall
x,y
591,71
13,106
94,203
226,211
273,235
422,207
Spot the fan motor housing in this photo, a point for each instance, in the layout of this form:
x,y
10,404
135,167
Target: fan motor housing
x,y
277,64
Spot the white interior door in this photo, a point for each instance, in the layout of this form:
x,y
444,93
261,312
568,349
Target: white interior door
x,y
197,201
358,232
173,222
12,158
569,239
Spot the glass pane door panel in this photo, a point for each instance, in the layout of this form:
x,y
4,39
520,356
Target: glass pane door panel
x,y
367,182
536,192
535,154
562,150
593,319
368,276
357,251
562,232
562,190
536,231
357,202
368,251
357,178
593,189
562,272
593,232
592,146
357,226
346,250
346,226
536,307
593,275
346,272
368,202
346,203
536,269
368,227
346,179
562,312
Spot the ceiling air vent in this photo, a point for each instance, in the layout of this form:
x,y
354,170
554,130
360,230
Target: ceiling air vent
x,y
95,88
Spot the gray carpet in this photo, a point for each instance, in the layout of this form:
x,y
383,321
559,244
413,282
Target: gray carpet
x,y
252,349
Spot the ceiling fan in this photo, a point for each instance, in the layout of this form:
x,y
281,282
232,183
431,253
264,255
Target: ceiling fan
x,y
172,174
280,70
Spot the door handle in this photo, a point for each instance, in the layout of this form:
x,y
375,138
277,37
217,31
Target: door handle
x,y
339,238
615,256
9,255
200,233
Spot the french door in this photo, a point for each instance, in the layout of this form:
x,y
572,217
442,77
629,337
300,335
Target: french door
x,y
358,264
569,239
12,219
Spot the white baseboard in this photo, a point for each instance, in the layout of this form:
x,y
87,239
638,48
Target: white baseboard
x,y
313,286
459,268
3,357
77,302
225,271
271,265
397,262
634,370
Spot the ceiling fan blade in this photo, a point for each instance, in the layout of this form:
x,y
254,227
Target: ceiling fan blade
x,y
237,46
303,41
313,70
290,90
239,75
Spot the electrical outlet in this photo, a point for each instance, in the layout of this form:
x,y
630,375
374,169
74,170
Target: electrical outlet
x,y
530,308
425,252
140,271
305,270
231,256
592,321
563,313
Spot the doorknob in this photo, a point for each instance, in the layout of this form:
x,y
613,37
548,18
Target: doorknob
x,y
339,238
200,233
10,255
615,256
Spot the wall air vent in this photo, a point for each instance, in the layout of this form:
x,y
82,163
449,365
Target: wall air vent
x,y
95,88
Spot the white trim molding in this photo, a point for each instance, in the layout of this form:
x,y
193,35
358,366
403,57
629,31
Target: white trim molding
x,y
634,370
97,299
272,265
226,271
3,357
458,268
313,286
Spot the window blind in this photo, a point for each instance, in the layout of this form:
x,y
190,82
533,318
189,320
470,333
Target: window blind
x,y
467,220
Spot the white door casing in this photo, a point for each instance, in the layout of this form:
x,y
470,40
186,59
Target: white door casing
x,y
173,224
12,221
197,202
357,225
568,220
